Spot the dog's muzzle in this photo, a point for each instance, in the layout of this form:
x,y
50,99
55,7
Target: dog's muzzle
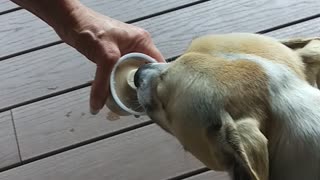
x,y
142,72
147,72
145,81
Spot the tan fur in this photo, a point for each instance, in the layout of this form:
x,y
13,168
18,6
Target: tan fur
x,y
248,79
235,138
262,46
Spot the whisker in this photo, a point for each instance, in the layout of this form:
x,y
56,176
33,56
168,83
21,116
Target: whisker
x,y
133,101
136,108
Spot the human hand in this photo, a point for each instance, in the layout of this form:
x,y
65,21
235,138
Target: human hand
x,y
104,40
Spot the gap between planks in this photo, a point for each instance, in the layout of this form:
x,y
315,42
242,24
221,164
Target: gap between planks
x,y
15,134
147,153
10,10
7,6
8,145
74,146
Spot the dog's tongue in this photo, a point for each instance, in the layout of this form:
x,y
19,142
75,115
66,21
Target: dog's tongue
x,y
130,79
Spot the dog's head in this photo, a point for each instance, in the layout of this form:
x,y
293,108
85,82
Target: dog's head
x,y
197,98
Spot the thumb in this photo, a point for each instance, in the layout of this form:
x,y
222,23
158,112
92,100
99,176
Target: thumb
x,y
154,52
148,47
100,85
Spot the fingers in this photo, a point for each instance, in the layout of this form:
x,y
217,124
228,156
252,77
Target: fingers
x,y
98,90
145,45
155,53
100,85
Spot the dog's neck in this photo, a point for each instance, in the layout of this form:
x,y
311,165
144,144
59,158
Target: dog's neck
x,y
295,112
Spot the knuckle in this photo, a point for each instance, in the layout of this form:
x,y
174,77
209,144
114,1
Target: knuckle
x,y
101,34
144,34
112,52
141,39
113,30
109,57
87,35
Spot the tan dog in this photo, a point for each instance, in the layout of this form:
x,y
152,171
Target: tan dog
x,y
241,103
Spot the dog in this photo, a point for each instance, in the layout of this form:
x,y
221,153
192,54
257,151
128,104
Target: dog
x,y
243,103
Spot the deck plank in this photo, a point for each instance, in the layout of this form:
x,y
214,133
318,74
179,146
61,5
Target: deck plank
x,y
6,5
62,121
21,30
210,175
143,154
8,146
60,67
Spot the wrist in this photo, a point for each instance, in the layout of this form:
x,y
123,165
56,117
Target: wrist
x,y
67,24
61,15
79,28
55,13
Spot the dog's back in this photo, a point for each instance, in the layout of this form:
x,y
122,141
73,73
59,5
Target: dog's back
x,y
294,134
246,43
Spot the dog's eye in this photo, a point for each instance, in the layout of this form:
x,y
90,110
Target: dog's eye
x,y
163,107
162,76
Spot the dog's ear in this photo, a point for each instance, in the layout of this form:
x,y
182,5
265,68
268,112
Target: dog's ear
x,y
309,50
248,147
298,43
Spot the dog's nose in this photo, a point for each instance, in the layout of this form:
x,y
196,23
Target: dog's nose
x,y
138,77
147,72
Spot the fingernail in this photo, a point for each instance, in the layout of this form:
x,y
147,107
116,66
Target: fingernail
x,y
94,111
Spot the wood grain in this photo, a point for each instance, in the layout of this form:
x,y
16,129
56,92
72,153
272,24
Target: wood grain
x,y
42,72
22,30
8,146
64,120
305,29
6,5
210,175
60,67
143,154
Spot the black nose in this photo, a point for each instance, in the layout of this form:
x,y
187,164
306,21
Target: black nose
x,y
139,74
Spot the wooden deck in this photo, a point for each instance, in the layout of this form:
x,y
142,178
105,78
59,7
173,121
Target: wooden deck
x,y
46,130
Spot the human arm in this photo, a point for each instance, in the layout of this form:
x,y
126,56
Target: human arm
x,y
100,38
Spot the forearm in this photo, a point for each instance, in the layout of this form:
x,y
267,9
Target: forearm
x,y
100,38
57,13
